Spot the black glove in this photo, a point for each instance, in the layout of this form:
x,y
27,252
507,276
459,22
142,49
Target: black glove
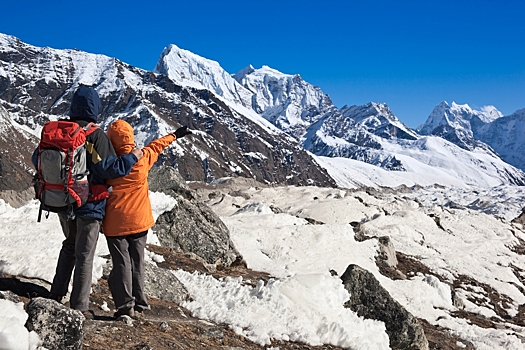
x,y
181,132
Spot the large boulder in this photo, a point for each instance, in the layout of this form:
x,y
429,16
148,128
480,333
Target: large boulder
x,y
370,300
59,327
162,284
191,226
159,283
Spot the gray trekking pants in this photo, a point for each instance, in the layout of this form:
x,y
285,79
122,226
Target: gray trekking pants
x,y
78,251
126,280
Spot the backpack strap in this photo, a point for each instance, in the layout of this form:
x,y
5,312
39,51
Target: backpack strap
x,y
90,128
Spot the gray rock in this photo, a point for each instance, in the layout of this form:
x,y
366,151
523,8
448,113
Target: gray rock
x,y
8,295
57,326
520,219
164,326
162,284
370,300
456,300
387,252
214,333
191,226
159,283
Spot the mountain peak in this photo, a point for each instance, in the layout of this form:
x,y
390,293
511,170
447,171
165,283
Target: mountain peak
x,y
457,116
490,113
192,70
240,75
378,119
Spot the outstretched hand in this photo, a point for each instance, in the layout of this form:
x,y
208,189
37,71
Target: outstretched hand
x,y
137,152
182,131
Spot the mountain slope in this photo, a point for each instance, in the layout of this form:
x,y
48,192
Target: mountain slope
x,y
285,100
505,136
16,147
379,120
456,123
189,69
36,85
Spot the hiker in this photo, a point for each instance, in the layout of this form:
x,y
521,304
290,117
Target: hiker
x,y
82,229
128,219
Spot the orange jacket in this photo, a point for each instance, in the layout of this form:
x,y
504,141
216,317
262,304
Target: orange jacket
x,y
128,208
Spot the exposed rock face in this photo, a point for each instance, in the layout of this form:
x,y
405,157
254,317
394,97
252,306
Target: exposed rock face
x,y
16,148
162,284
370,300
59,327
378,119
191,226
387,252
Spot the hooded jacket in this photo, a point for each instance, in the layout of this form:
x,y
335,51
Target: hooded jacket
x,y
102,161
128,208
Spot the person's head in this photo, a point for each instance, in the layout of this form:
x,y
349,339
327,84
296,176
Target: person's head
x,y
85,104
120,133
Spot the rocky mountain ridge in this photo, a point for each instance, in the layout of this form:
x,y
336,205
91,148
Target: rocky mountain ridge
x,y
258,123
36,85
484,129
369,133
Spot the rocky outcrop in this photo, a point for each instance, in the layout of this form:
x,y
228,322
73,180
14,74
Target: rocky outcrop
x,y
191,226
520,219
370,300
59,327
387,252
16,148
162,284
8,295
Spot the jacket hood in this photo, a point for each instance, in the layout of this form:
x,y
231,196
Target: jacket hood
x,y
121,136
85,104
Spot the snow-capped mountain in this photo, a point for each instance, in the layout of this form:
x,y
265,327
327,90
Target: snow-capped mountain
x,y
16,147
505,136
36,85
285,100
188,69
258,123
379,120
470,129
456,123
370,133
458,116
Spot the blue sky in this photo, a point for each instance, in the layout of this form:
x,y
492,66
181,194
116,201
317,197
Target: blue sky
x,y
409,54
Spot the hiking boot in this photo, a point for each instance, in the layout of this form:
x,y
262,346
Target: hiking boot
x,y
139,314
89,314
124,312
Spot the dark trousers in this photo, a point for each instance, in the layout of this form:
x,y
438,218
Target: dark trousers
x,y
78,252
126,280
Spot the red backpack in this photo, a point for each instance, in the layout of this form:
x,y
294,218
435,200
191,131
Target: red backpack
x,y
62,176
